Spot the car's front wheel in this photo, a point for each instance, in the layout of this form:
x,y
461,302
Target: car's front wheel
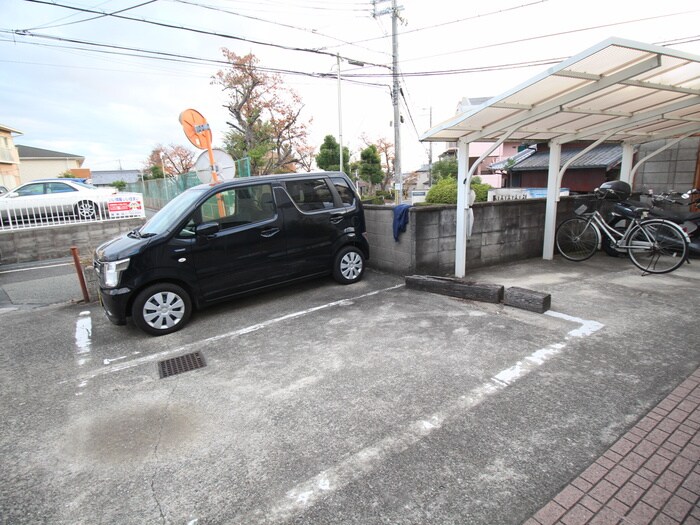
x,y
349,265
161,309
86,210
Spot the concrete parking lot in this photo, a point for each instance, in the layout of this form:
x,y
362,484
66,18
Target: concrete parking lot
x,y
319,403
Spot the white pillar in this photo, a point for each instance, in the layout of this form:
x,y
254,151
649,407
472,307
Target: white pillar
x,y
626,166
462,208
550,218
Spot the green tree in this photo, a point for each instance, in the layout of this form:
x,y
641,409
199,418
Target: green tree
x,y
444,169
154,172
371,165
328,157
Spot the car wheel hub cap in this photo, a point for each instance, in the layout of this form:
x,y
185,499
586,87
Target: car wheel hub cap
x,y
163,310
351,265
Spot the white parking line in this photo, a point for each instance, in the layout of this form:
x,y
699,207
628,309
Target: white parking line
x,y
36,268
305,494
234,333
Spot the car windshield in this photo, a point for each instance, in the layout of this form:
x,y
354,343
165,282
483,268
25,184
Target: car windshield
x,y
163,220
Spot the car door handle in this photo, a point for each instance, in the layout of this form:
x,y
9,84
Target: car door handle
x,y
335,219
269,232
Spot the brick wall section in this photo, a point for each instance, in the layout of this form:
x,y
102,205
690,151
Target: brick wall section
x,y
651,475
503,231
55,242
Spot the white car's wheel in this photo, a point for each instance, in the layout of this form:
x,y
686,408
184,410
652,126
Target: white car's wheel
x,y
86,210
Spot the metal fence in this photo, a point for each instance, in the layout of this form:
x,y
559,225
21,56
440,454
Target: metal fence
x,y
158,192
22,213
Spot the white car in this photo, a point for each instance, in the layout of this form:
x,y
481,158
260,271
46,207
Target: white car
x,y
55,198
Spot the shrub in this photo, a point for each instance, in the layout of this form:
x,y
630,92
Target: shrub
x,y
482,191
119,184
444,192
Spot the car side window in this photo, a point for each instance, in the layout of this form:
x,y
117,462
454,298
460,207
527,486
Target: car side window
x,y
31,189
58,187
310,194
239,206
344,190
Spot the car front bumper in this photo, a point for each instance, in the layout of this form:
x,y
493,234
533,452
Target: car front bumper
x,y
115,302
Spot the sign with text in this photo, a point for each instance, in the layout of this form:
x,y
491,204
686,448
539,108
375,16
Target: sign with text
x,y
126,205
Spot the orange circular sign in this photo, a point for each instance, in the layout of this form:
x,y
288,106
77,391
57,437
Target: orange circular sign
x,y
196,128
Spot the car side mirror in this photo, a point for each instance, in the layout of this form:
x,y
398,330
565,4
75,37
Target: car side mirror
x,y
13,194
207,228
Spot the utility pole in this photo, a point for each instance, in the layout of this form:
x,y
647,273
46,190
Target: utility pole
x,y
340,116
395,90
430,152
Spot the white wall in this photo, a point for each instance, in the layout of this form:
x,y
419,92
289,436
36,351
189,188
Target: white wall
x,y
32,169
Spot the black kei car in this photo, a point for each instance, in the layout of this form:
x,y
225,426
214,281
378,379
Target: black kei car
x,y
217,241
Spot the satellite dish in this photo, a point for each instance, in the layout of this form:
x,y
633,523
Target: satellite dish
x,y
224,165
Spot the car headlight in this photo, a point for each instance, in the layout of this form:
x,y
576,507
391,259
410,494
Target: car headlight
x,y
113,271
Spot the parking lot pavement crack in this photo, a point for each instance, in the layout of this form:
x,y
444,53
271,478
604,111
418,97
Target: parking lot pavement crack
x,y
163,417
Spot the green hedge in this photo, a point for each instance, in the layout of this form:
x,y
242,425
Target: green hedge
x,y
445,191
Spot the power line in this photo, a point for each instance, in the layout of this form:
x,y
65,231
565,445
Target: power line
x,y
193,30
559,33
449,22
281,24
96,17
112,49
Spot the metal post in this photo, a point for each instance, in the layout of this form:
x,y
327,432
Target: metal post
x,y
395,99
79,271
340,117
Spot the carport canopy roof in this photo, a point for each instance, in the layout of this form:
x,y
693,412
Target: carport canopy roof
x,y
619,90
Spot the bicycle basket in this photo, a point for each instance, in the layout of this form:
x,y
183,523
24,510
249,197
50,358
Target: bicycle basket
x,y
614,190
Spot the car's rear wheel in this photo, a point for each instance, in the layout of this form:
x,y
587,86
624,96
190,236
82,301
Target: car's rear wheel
x,y
86,210
161,309
349,265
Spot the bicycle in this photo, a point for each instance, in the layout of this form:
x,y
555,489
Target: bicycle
x,y
653,245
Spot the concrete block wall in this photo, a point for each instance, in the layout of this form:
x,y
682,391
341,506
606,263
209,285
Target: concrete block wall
x,y
672,169
503,231
54,242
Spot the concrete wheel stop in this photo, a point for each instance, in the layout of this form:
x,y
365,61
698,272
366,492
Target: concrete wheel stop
x,y
522,298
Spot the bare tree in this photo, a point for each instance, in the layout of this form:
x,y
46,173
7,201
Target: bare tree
x,y
264,116
170,160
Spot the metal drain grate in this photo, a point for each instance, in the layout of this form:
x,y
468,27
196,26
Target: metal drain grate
x,y
180,364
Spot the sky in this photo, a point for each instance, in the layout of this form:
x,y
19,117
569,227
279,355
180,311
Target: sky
x,y
68,83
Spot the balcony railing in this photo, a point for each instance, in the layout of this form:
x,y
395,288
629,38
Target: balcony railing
x,y
9,156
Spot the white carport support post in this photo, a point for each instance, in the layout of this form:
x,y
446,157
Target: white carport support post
x,y
627,159
550,218
462,208
464,213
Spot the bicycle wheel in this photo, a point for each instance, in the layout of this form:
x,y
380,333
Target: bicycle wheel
x,y
657,246
577,239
